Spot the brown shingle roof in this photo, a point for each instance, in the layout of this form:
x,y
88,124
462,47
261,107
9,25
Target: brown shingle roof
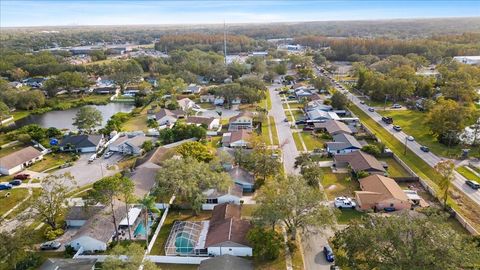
x,y
82,212
199,120
242,134
242,114
334,127
360,161
173,113
226,226
223,262
19,157
385,186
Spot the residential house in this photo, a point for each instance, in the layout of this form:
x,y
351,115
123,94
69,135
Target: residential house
x,y
333,127
99,230
303,92
242,121
214,196
187,104
380,193
219,101
81,143
19,160
207,98
15,84
210,122
167,117
129,145
227,232
68,264
243,179
192,89
318,105
77,216
237,139
226,262
343,143
320,115
36,82
105,90
359,161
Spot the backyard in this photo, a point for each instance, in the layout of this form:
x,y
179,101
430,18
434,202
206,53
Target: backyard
x,y
394,168
338,184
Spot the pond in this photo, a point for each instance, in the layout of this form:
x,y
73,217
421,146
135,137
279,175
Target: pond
x,y
64,119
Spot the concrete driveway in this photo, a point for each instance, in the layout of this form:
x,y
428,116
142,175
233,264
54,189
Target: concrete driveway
x,y
86,173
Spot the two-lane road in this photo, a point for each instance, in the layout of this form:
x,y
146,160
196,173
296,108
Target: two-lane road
x,y
429,157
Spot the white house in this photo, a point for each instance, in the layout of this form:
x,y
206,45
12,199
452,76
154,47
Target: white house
x,y
129,145
207,98
192,89
242,121
232,195
227,232
236,139
211,122
187,104
343,144
98,231
469,60
19,160
81,143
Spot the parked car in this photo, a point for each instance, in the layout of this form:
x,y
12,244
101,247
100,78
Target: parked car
x,y
285,120
344,202
15,182
371,109
4,186
397,106
362,102
424,149
388,120
292,97
50,245
397,128
410,138
108,154
22,176
327,250
300,122
472,184
308,128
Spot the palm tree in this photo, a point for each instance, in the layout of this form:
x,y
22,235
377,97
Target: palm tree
x,y
148,205
126,190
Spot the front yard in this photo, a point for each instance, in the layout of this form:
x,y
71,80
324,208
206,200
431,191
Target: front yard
x,y
50,161
16,196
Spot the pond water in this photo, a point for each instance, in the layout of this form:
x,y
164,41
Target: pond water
x,y
64,119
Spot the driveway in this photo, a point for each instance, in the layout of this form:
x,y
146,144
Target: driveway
x,y
430,158
86,173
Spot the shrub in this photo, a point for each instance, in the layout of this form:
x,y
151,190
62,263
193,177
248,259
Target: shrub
x,y
51,234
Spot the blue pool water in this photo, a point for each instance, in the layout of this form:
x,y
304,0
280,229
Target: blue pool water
x,y
140,229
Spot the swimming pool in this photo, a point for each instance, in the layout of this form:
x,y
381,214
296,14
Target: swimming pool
x,y
140,229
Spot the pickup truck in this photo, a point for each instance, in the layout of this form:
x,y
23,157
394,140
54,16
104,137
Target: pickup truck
x,y
388,120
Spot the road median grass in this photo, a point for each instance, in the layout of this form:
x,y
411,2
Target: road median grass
x,y
464,205
468,174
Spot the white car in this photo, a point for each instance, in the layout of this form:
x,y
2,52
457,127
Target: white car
x,y
397,106
410,138
344,202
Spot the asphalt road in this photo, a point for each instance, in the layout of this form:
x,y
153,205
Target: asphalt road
x,y
430,158
313,243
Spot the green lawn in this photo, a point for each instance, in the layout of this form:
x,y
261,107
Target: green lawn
x,y
298,114
468,174
338,184
50,160
311,141
344,216
36,193
16,196
412,122
8,150
298,143
17,115
174,215
394,168
178,266
469,209
274,130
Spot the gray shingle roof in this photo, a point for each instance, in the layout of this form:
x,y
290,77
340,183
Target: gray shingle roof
x,y
19,157
81,141
226,262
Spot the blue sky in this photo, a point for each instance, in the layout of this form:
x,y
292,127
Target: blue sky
x,y
71,12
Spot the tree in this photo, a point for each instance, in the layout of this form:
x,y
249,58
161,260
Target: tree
x,y
105,191
134,257
236,69
187,178
293,203
339,100
4,111
195,150
125,72
181,131
18,74
447,119
15,246
66,81
312,173
320,83
260,161
266,243
319,58
50,205
87,118
404,242
371,149
126,189
148,146
445,169
148,205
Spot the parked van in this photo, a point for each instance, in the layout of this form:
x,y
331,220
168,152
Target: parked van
x,y
92,158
